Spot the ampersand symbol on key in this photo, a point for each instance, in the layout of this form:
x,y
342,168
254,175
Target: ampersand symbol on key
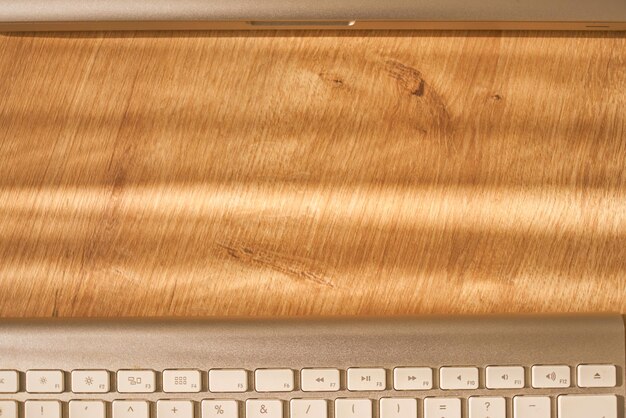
x,y
263,409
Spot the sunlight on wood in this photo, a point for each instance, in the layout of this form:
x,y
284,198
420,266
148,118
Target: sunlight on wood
x,y
382,174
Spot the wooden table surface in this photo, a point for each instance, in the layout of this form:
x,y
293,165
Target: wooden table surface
x,y
294,174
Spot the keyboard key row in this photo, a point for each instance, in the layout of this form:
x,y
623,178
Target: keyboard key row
x,y
568,406
311,380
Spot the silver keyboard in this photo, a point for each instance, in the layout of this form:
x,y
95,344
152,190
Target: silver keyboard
x,y
484,367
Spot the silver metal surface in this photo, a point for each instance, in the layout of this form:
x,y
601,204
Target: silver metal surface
x,y
297,344
306,14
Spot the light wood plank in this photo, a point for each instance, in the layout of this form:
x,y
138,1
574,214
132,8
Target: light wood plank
x,y
291,174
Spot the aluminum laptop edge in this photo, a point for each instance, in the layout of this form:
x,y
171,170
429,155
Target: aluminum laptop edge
x,y
87,15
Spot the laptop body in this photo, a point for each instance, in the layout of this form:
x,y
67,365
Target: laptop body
x,y
85,15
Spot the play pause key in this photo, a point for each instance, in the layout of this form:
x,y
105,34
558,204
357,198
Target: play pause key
x,y
367,379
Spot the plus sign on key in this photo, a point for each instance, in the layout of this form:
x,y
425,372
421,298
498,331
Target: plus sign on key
x,y
175,409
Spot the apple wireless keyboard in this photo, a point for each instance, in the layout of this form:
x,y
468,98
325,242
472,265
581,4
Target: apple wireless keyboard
x,y
432,367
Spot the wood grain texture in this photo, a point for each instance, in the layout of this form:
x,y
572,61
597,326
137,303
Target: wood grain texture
x,y
294,174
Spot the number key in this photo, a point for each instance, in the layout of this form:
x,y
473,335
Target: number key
x,y
8,409
532,407
220,409
175,409
353,408
42,409
264,408
87,409
131,409
398,408
309,408
483,407
442,408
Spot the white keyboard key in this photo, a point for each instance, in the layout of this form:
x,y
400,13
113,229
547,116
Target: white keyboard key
x,y
413,378
442,408
597,376
87,409
274,380
587,406
545,377
505,377
136,381
9,381
353,408
91,381
319,380
131,409
532,407
367,379
458,378
182,381
264,408
220,409
398,408
228,381
8,409
42,409
44,381
308,408
484,407
175,409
